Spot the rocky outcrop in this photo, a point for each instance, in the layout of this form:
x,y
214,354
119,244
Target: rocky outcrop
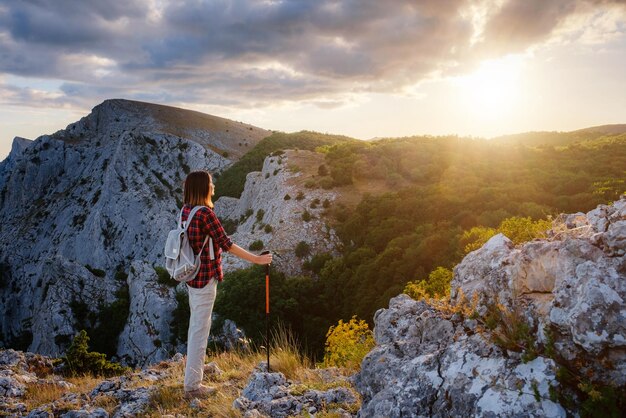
x,y
428,365
145,337
130,392
272,395
77,208
569,290
18,369
263,203
573,284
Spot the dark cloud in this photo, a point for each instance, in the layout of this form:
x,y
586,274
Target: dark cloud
x,y
519,24
252,52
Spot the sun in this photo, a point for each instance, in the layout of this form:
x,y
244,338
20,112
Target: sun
x,y
493,88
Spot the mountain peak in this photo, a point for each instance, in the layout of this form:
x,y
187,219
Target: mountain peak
x,y
216,133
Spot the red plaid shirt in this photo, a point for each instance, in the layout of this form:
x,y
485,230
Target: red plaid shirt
x,y
205,223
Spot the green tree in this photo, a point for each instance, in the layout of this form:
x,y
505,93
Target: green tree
x,y
79,360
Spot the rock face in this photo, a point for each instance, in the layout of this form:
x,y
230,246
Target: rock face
x,y
79,206
573,284
272,395
263,203
131,392
145,337
17,369
85,213
569,288
426,365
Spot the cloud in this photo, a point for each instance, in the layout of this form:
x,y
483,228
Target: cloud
x,y
255,52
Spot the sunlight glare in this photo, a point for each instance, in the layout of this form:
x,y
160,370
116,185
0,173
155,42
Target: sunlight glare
x,y
494,87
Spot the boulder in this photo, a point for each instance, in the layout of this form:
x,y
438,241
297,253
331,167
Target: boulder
x,y
426,365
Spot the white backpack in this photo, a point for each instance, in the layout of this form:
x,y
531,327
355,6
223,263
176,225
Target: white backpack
x,y
180,261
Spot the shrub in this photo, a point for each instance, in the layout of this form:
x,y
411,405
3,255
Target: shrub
x,y
314,203
95,272
163,277
121,275
437,285
517,229
79,360
111,321
256,245
347,343
521,230
476,237
322,170
326,204
306,216
317,262
309,184
287,197
300,196
302,249
259,215
180,318
326,183
267,228
230,226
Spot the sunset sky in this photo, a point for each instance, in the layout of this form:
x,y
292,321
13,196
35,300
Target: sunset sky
x,y
364,68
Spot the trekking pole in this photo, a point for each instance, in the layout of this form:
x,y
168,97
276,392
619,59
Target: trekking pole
x,y
267,311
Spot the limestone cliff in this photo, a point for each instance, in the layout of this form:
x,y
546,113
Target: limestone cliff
x,y
263,203
80,206
518,315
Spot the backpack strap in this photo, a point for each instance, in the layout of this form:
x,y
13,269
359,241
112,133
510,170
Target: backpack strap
x,y
191,215
188,222
180,218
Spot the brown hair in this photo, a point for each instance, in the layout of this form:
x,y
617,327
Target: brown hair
x,y
198,189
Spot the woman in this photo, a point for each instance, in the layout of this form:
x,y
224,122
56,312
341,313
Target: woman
x,y
202,289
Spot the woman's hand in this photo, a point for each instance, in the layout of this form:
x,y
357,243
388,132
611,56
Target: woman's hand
x,y
263,259
248,256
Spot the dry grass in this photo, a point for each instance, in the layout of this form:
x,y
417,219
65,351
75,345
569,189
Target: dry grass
x,y
168,397
38,394
285,355
106,402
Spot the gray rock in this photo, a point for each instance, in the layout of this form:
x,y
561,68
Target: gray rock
x,y
132,402
105,387
84,413
212,369
425,365
40,413
10,387
269,394
85,196
262,385
574,283
144,338
11,358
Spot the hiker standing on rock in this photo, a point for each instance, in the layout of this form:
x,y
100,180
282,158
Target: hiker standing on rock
x,y
199,189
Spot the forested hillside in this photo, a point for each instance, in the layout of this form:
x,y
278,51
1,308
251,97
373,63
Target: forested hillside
x,y
434,190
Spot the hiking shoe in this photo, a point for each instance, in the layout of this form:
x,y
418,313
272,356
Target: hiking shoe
x,y
201,393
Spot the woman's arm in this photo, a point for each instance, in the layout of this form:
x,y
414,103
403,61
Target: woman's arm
x,y
245,255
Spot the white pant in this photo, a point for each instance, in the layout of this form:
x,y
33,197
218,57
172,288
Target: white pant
x,y
201,306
